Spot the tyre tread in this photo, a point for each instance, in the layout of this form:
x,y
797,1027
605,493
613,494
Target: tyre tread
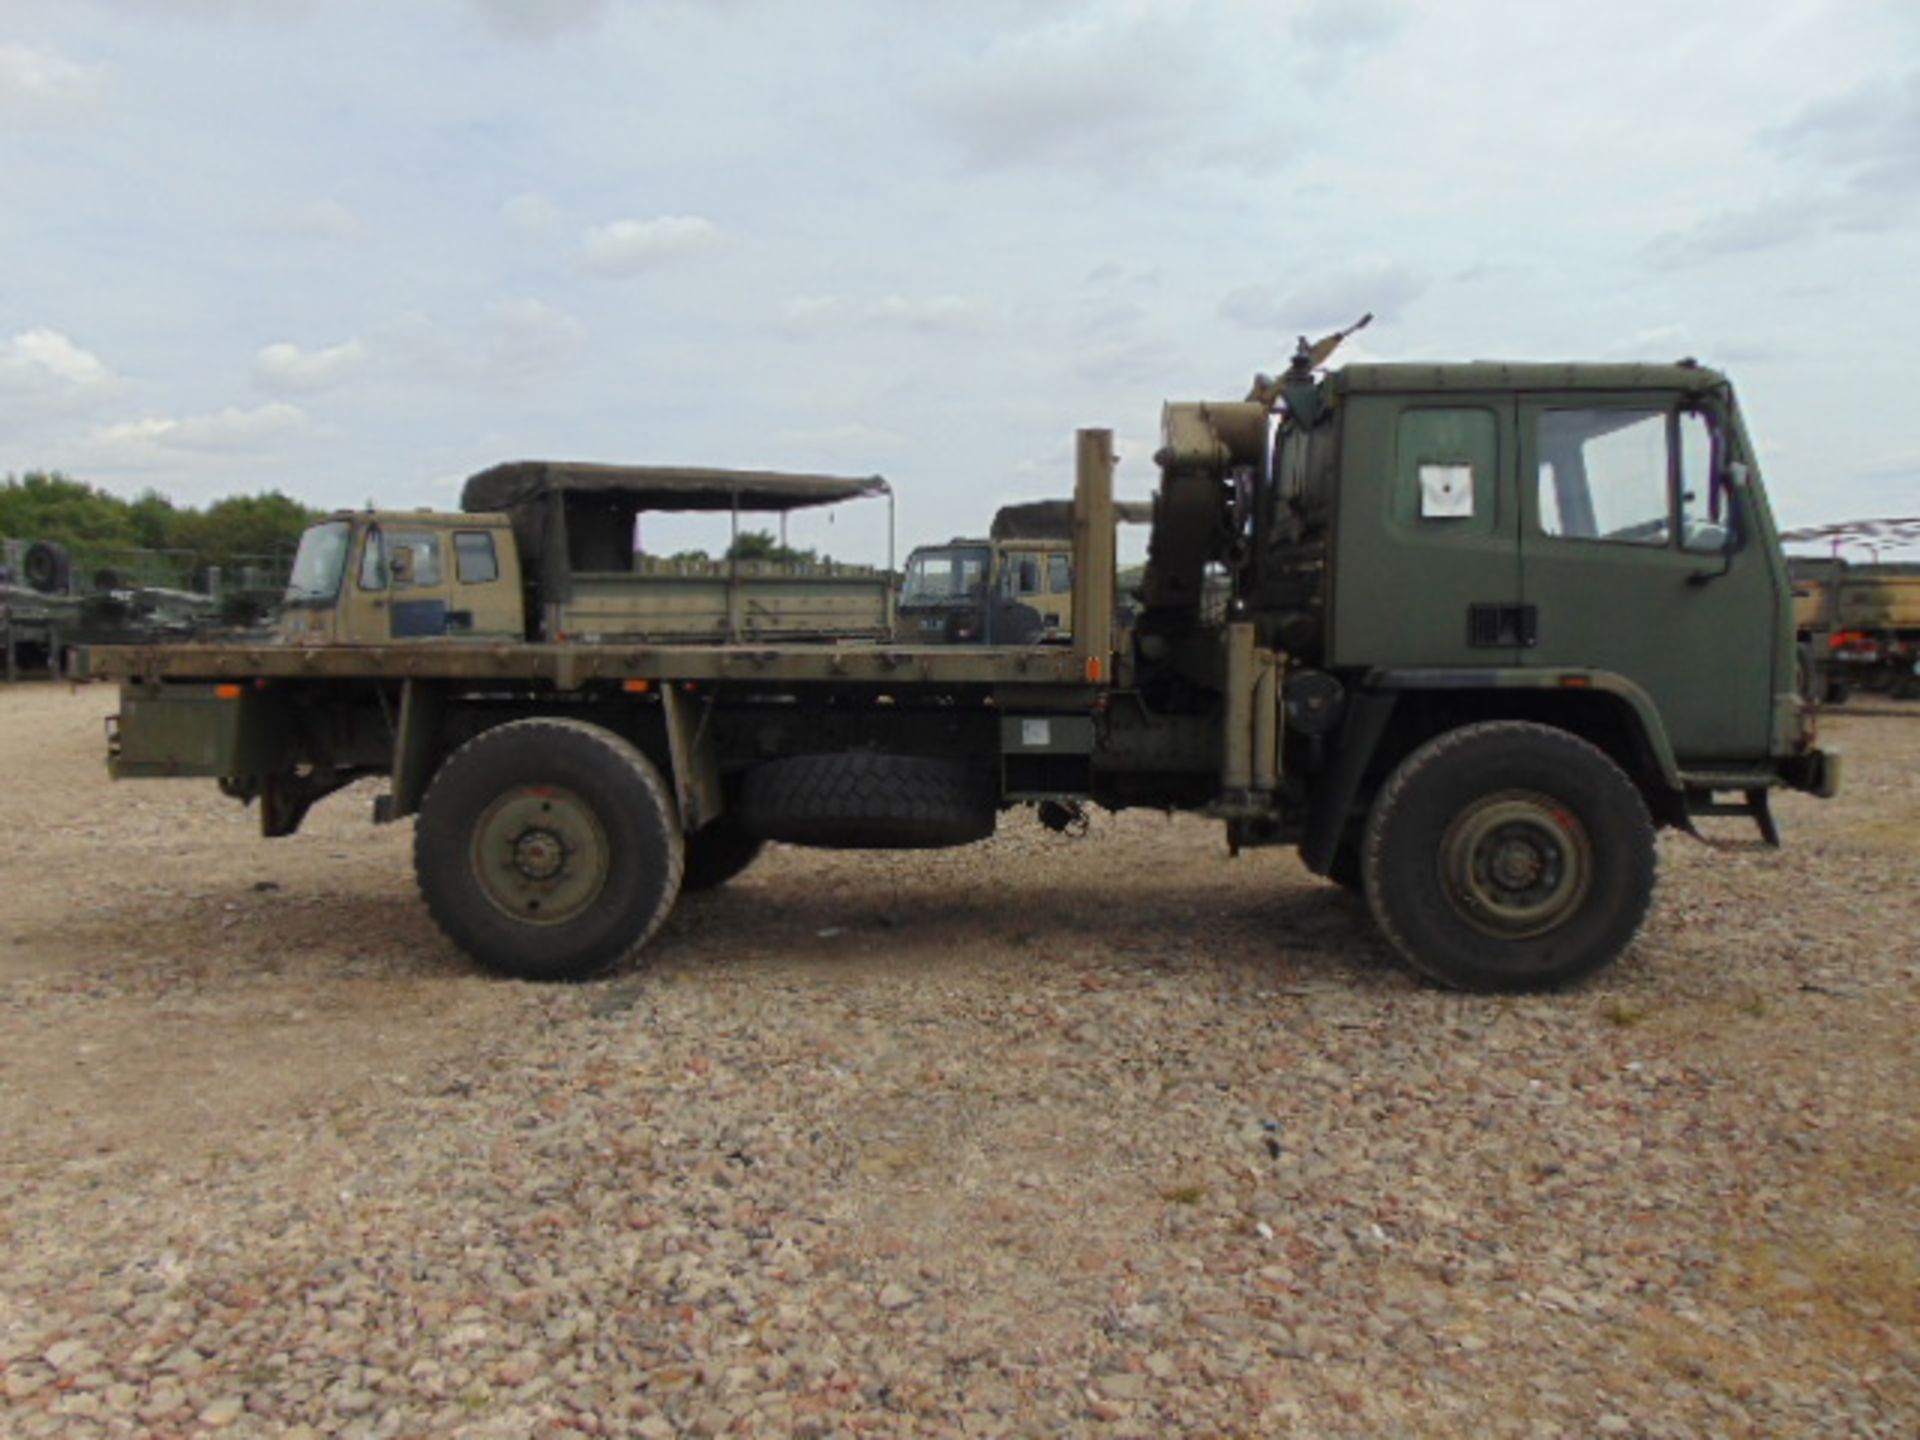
x,y
909,801
1440,751
618,749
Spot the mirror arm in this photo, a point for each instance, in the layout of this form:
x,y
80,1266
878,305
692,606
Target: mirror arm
x,y
1736,487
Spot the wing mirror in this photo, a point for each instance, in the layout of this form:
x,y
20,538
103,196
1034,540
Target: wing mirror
x,y
1721,535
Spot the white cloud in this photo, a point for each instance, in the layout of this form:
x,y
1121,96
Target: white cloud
x,y
1901,466
1658,343
45,361
1769,224
626,247
508,342
932,314
806,316
852,438
1099,94
232,431
539,19
287,368
41,82
326,220
1348,25
809,314
527,319
1328,300
1872,131
533,214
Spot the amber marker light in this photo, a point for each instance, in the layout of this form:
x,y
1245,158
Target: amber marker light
x,y
636,687
227,692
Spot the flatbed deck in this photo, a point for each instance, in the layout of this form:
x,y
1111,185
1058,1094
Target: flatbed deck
x,y
569,666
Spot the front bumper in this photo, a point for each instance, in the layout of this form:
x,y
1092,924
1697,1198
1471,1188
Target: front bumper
x,y
1817,772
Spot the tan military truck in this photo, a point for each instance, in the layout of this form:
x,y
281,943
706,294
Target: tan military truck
x,y
1015,587
372,577
1487,627
1859,626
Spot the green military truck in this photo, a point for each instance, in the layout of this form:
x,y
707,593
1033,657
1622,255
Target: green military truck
x,y
1488,628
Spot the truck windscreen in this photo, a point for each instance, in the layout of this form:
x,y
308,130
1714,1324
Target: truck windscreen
x,y
934,576
320,563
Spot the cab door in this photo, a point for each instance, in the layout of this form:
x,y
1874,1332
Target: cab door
x,y
1633,560
1056,614
402,588
1427,564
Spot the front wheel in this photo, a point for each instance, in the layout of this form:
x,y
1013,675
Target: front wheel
x,y
548,849
1509,856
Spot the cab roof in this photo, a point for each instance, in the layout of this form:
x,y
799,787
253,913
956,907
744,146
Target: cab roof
x,y
655,487
1527,375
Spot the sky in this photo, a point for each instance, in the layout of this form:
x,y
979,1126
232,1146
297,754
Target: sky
x,y
355,250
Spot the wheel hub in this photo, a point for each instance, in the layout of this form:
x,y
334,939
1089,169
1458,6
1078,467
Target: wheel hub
x,y
1516,864
540,854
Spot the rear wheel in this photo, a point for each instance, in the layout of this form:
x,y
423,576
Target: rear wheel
x,y
548,849
1509,856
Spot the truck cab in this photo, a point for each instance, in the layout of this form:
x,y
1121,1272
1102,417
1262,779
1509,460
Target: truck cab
x,y
372,577
1013,588
987,592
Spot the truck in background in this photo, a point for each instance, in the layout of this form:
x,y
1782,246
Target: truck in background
x,y
1858,627
1015,587
51,604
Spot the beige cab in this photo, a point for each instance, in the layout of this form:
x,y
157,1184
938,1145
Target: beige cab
x,y
374,577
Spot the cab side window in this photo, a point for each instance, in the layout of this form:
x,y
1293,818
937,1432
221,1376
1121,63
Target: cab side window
x,y
373,562
474,560
404,559
1028,571
1705,518
1603,475
421,567
1446,470
1059,575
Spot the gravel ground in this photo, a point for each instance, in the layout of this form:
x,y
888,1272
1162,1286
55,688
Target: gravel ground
x,y
1039,1137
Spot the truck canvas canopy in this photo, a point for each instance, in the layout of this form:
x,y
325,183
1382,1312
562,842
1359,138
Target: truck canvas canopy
x,y
1053,519
663,487
578,516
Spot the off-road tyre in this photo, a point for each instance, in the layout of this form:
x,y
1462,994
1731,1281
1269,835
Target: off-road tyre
x,y
616,820
718,852
861,800
46,568
1509,856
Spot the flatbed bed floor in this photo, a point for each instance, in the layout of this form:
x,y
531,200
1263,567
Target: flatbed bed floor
x,y
570,665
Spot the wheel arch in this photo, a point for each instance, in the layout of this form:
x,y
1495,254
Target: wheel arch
x,y
433,720
1394,712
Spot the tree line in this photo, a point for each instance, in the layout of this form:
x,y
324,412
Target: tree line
x,y
99,528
